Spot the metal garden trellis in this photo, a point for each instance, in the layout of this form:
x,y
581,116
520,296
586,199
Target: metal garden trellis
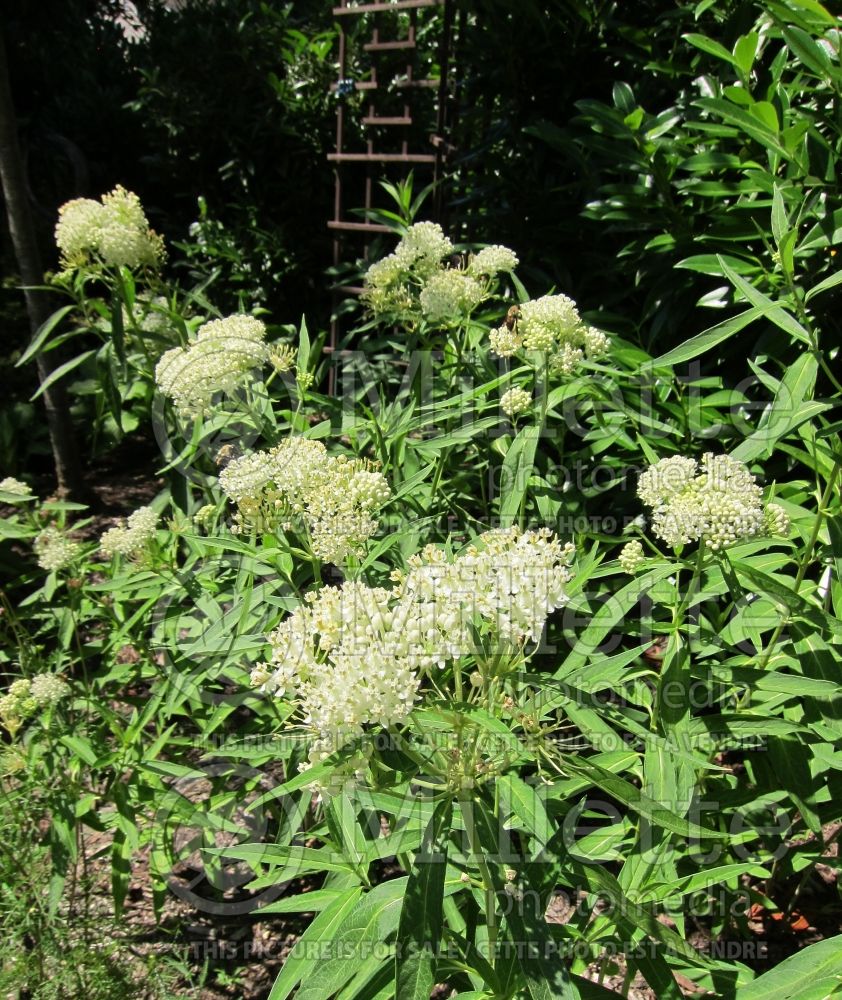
x,y
390,135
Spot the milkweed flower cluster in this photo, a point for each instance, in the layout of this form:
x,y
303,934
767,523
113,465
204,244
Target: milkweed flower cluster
x,y
491,260
551,324
131,538
54,550
25,696
718,502
298,486
112,231
416,282
508,580
515,401
631,557
354,656
220,357
450,294
15,487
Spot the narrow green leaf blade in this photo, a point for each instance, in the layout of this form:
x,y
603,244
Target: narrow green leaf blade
x,y
420,928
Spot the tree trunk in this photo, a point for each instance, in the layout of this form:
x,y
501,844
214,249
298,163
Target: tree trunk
x,y
68,471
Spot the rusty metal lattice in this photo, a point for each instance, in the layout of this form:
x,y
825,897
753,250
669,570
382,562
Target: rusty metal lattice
x,y
389,135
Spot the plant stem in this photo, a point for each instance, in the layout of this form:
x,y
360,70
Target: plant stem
x,y
466,804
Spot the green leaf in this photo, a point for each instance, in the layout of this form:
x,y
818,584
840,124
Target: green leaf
x,y
303,359
601,881
780,222
61,371
292,861
808,52
765,113
702,880
793,602
708,263
315,773
118,333
420,928
42,334
829,282
318,937
302,902
745,51
707,339
546,977
370,923
778,315
788,410
81,747
343,814
517,468
818,9
757,128
815,973
525,805
607,616
631,796
712,47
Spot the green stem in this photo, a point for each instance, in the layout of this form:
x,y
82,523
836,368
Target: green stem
x,y
466,805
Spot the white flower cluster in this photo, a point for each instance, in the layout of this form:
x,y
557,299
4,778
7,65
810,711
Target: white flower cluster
x,y
25,696
492,260
506,583
719,502
448,294
15,486
353,656
112,231
55,550
297,485
631,557
551,324
130,538
505,341
515,401
776,520
48,689
415,282
422,248
339,659
223,352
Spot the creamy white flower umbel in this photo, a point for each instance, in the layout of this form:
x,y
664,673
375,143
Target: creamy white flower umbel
x,y
353,656
719,502
417,281
112,231
55,550
515,401
631,557
297,485
15,486
448,294
25,696
131,538
223,354
551,324
423,247
492,260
